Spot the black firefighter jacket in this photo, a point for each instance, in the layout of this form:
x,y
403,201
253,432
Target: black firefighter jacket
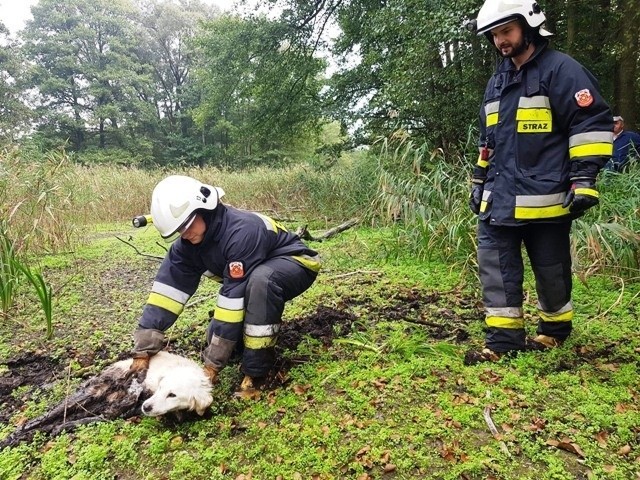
x,y
540,128
236,241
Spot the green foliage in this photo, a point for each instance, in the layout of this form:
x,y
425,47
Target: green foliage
x,y
44,292
259,90
8,271
607,238
425,194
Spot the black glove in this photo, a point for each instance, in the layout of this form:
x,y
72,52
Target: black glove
x,y
475,197
582,196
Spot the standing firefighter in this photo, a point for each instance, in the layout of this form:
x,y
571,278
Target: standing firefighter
x,y
545,133
259,263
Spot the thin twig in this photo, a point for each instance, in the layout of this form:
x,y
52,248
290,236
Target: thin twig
x,y
66,399
200,300
155,257
357,272
494,430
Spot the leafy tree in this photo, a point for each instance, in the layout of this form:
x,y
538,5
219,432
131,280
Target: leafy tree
x,y
170,26
259,89
14,114
86,71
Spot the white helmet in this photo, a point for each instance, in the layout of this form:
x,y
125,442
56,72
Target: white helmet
x,y
498,12
176,198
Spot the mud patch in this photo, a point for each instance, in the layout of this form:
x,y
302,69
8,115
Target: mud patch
x,y
26,370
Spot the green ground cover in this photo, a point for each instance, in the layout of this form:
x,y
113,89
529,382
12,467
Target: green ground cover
x,y
388,398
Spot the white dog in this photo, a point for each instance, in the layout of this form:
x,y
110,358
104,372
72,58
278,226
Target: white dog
x,y
176,383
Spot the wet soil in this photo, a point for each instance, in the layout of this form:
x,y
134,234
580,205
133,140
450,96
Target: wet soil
x,y
32,372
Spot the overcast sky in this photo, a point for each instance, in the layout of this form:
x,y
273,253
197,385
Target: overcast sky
x,y
14,13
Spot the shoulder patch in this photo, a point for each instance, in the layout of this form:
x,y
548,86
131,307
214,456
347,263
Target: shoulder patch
x,y
236,270
584,98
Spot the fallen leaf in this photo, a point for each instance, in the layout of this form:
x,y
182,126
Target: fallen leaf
x,y
301,389
507,427
626,450
602,438
363,450
537,424
567,445
389,467
609,468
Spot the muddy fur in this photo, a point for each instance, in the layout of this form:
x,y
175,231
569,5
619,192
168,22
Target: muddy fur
x,y
173,384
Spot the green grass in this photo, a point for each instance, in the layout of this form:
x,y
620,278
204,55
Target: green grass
x,y
390,397
386,395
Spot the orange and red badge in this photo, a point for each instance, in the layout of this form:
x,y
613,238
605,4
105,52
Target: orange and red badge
x,y
236,270
584,98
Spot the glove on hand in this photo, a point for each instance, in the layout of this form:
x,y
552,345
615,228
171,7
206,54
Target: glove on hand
x,y
475,198
582,196
138,368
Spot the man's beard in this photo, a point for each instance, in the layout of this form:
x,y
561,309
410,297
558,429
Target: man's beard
x,y
516,50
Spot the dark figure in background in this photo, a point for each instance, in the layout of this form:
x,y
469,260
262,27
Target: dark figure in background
x,y
626,145
545,133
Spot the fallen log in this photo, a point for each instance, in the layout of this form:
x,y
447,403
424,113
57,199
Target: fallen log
x,y
304,233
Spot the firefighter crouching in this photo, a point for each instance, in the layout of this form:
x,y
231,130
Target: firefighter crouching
x,y
259,263
545,133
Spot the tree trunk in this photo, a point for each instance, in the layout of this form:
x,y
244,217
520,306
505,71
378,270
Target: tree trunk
x,y
626,97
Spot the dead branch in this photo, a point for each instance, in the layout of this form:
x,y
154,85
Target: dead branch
x,y
357,272
304,234
155,257
494,430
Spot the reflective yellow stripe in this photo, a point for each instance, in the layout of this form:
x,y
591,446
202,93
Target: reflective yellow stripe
x,y
228,316
527,213
561,317
505,322
165,302
587,191
270,223
591,149
257,343
307,262
492,119
482,163
533,114
483,206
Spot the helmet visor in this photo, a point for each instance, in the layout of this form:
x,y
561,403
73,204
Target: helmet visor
x,y
181,229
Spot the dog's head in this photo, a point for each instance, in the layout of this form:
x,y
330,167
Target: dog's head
x,y
180,389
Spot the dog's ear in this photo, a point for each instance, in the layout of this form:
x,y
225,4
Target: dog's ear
x,y
200,402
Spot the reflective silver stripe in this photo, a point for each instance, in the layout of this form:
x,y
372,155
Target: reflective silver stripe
x,y
486,194
492,107
590,137
268,222
540,200
170,292
261,330
567,308
534,102
510,312
230,303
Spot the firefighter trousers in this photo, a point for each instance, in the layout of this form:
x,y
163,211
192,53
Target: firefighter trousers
x,y
269,286
502,274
